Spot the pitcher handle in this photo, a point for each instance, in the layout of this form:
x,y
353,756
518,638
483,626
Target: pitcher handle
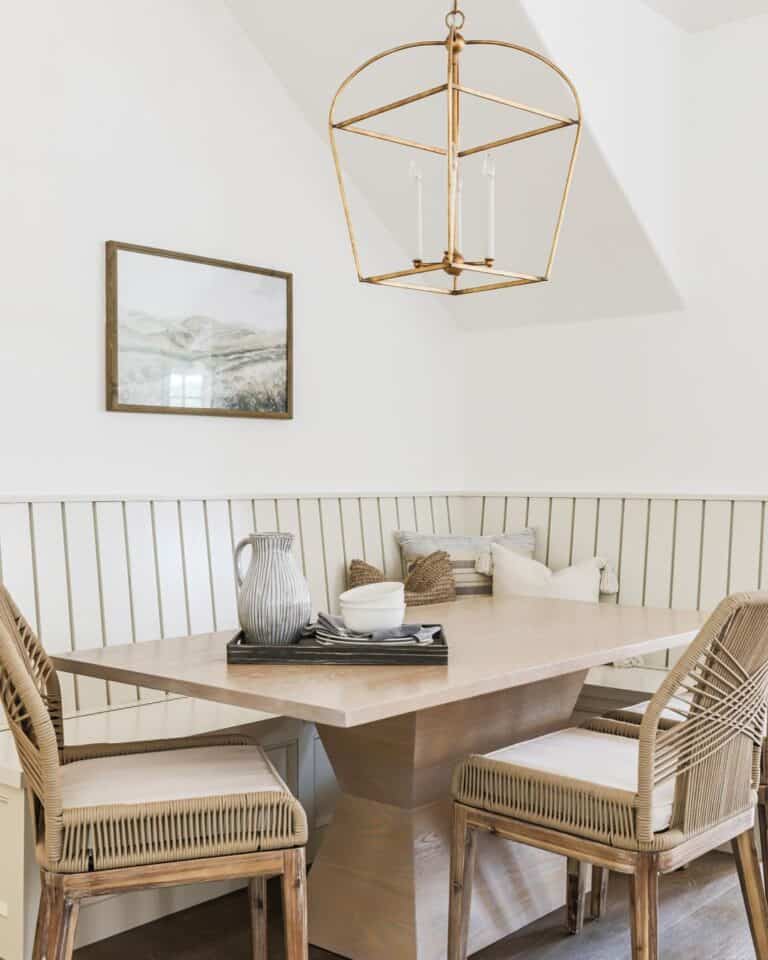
x,y
245,542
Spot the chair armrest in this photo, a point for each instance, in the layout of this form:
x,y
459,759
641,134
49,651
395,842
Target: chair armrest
x,y
617,728
94,751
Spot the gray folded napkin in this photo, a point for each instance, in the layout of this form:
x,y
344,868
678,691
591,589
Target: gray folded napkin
x,y
331,629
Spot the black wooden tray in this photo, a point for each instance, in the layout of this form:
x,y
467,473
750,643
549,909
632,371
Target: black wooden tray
x,y
308,650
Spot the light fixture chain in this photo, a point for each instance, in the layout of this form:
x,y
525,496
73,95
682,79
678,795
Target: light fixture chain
x,y
455,18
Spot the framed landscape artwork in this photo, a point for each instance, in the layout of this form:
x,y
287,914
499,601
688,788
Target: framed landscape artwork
x,y
191,335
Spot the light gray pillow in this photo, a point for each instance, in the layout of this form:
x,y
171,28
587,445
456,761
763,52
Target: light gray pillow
x,y
470,556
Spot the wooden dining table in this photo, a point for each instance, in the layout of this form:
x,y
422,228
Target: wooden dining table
x,y
378,887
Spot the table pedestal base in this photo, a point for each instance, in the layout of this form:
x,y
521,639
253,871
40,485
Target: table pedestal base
x,y
378,889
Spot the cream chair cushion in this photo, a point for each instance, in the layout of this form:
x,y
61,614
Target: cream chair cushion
x,y
189,774
594,758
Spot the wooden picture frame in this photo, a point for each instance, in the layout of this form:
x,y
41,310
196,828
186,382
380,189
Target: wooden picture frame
x,y
219,379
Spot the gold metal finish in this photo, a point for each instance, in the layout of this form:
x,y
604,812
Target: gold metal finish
x,y
388,137
513,103
484,147
392,106
453,262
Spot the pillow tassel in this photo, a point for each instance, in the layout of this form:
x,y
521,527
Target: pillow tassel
x,y
609,582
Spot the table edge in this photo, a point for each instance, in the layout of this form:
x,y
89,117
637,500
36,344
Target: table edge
x,y
399,706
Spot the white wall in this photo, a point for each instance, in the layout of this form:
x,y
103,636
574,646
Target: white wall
x,y
160,124
629,64
672,402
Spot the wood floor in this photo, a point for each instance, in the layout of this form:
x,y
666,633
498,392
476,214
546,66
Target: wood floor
x,y
702,918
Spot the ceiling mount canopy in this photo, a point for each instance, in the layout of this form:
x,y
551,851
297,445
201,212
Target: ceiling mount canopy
x,y
469,271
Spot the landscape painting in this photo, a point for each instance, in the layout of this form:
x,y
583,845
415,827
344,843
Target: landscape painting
x,y
192,335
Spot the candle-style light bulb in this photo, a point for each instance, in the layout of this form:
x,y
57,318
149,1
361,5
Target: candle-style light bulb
x,y
416,175
489,172
459,213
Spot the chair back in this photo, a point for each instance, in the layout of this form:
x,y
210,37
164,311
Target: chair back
x,y
719,690
31,697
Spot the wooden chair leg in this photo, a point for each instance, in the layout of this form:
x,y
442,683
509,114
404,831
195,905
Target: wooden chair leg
x,y
752,889
257,898
762,821
463,856
644,909
40,948
62,924
599,896
576,894
294,883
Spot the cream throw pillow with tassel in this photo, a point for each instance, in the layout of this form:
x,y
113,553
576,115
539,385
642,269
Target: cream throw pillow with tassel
x,y
517,576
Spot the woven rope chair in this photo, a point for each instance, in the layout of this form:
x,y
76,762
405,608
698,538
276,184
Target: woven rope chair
x,y
625,722
110,818
705,768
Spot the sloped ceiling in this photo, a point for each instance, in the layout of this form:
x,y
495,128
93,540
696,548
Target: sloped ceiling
x,y
608,266
696,15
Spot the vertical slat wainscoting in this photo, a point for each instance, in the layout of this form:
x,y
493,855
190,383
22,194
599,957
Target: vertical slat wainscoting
x,y
406,513
634,552
143,583
334,549
113,578
288,521
194,544
311,525
560,538
373,535
539,516
49,568
685,552
441,514
516,513
17,567
585,517
686,558
494,511
715,553
468,515
388,518
610,534
352,530
171,571
660,552
747,534
221,572
244,519
86,624
425,522
659,562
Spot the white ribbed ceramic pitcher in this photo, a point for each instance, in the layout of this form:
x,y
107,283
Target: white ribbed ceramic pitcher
x,y
273,602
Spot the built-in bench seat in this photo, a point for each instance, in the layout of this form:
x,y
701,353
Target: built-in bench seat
x,y
613,688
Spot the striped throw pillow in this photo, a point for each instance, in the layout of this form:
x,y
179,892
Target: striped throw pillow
x,y
469,555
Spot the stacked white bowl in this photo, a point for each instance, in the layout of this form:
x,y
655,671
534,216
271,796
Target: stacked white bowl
x,y
376,606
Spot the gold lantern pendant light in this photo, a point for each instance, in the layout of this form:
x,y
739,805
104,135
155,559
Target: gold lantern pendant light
x,y
465,273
